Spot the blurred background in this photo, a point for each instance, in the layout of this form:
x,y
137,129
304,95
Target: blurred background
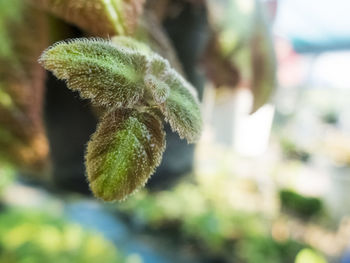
x,y
267,182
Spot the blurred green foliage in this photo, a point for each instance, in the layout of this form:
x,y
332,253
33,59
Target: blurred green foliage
x,y
305,207
195,215
10,12
34,237
6,177
308,255
331,117
265,249
292,151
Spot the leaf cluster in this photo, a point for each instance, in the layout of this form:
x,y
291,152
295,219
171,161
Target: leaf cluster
x,y
136,87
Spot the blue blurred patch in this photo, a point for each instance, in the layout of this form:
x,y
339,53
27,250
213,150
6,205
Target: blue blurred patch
x,y
314,25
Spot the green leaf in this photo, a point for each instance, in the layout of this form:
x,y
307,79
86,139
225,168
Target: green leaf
x,y
176,98
157,72
108,74
123,153
181,108
128,79
156,67
158,88
117,74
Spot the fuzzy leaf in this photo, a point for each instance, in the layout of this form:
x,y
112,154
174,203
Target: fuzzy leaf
x,y
176,98
157,71
125,72
123,153
108,74
159,90
181,108
99,17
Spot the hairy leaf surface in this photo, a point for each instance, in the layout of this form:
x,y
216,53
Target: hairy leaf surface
x,y
157,71
123,153
108,74
117,74
156,67
181,108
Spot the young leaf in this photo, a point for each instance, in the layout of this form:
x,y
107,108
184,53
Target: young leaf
x,y
156,73
159,90
108,74
123,153
181,108
176,98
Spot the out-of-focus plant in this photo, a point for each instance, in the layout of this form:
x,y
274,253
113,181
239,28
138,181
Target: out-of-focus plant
x,y
98,17
331,117
28,236
195,215
6,177
292,151
305,207
23,36
241,48
266,249
310,256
